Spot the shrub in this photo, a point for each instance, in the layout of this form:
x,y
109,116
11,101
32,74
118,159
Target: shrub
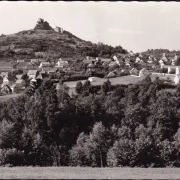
x,y
121,154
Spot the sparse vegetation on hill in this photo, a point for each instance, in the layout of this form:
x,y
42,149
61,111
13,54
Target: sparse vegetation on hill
x,y
43,38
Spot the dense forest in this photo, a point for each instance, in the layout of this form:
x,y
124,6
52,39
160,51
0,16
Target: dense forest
x,y
99,126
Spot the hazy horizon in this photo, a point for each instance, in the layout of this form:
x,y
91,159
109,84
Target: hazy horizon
x,y
136,26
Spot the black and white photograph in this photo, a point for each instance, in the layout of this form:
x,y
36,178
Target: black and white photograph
x,y
89,90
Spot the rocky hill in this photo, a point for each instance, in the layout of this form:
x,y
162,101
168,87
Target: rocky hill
x,y
45,42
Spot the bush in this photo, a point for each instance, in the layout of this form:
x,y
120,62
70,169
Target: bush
x,y
121,154
12,157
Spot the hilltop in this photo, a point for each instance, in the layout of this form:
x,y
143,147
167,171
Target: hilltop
x,y
46,42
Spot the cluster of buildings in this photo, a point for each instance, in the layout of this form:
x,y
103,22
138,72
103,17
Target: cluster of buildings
x,y
31,71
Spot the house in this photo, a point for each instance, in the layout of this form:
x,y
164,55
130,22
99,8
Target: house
x,y
170,68
150,60
34,61
5,80
30,66
143,72
13,87
161,62
6,89
87,61
138,60
164,58
134,71
19,76
51,70
92,79
19,81
61,63
4,74
103,60
20,61
177,79
32,74
39,77
44,64
21,66
112,63
173,61
6,67
58,87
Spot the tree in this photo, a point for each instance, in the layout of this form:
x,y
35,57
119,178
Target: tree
x,y
99,144
106,87
177,63
79,87
121,154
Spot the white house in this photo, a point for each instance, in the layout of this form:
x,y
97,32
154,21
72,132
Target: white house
x,y
5,80
32,74
177,79
62,63
113,63
164,58
115,58
44,64
3,74
174,60
138,60
20,61
150,61
161,62
19,76
92,79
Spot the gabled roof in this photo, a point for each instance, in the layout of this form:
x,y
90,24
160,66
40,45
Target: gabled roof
x,y
21,64
19,76
39,77
45,63
87,61
20,60
4,74
19,81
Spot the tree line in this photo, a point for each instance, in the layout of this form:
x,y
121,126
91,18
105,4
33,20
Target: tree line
x,y
98,126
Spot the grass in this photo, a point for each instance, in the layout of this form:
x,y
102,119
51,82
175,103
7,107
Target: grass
x,y
117,80
9,96
88,173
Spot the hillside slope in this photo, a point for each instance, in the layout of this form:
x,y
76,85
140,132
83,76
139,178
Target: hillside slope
x,y
46,42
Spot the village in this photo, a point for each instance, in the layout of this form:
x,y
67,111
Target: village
x,y
17,76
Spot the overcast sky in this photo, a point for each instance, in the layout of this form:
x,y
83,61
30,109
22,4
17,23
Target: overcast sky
x,y
136,26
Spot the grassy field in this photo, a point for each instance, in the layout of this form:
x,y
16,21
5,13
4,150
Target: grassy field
x,y
117,80
88,173
7,97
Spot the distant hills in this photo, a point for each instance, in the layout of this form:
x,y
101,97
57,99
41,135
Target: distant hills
x,y
45,42
158,52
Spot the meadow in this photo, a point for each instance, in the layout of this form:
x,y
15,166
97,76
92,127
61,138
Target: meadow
x,y
9,96
88,173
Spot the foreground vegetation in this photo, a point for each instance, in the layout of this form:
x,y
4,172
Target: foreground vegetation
x,y
107,125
